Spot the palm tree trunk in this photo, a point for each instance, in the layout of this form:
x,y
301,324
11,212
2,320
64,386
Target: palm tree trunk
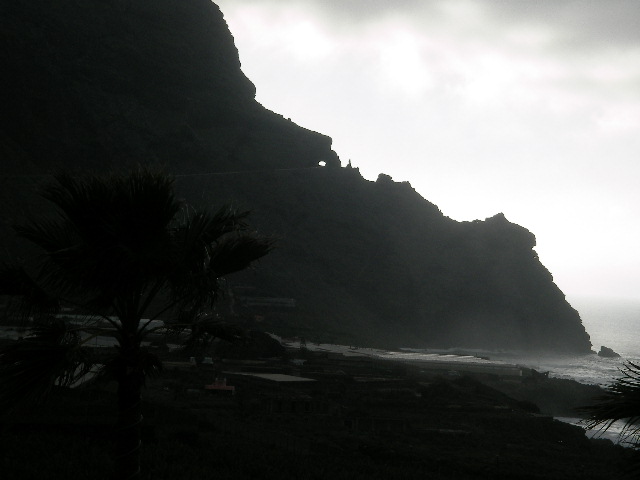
x,y
128,439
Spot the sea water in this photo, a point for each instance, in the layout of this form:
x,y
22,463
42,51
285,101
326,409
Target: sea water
x,y
613,323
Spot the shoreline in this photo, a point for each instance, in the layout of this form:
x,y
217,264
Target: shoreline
x,y
554,364
359,417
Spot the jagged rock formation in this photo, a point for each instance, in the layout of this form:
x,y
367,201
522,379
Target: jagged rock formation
x,y
607,352
109,84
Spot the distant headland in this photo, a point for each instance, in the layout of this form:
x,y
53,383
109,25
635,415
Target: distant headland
x,y
107,85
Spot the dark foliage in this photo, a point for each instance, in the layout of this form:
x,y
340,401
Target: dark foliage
x,y
122,248
621,402
50,357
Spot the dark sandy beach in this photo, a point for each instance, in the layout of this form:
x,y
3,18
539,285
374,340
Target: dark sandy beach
x,y
353,422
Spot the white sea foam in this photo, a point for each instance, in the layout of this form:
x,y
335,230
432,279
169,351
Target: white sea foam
x,y
615,432
615,324
612,323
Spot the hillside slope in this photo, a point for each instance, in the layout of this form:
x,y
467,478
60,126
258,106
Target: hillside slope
x,y
109,84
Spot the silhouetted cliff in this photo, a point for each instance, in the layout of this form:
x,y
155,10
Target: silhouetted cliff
x,y
108,84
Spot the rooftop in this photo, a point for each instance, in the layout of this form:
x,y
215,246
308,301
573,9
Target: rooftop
x,y
274,377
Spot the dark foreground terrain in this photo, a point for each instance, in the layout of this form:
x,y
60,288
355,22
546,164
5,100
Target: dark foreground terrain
x,y
357,420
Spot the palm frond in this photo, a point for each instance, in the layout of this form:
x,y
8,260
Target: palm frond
x,y
194,277
132,209
200,231
205,328
31,367
32,299
111,234
227,219
51,235
220,329
118,245
188,273
620,403
237,252
145,365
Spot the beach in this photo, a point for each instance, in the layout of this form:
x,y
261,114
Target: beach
x,y
318,415
348,412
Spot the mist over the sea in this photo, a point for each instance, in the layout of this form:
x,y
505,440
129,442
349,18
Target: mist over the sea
x,y
614,323
611,322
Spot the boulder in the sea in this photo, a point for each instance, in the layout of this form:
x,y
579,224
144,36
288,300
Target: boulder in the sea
x,y
607,352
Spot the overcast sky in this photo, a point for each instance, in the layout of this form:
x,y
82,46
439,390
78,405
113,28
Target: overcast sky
x,y
526,107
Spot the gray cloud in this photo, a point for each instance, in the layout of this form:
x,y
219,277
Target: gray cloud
x,y
581,23
527,107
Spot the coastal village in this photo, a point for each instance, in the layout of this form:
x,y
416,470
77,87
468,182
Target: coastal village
x,y
349,409
454,416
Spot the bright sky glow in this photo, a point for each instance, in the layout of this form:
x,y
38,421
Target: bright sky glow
x,y
531,108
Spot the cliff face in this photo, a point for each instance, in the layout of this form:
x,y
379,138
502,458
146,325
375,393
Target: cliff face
x,y
113,83
99,85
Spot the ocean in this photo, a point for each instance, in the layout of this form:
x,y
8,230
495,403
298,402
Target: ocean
x,y
612,323
615,324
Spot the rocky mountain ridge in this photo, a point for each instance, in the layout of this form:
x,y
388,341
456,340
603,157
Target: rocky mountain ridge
x,y
100,85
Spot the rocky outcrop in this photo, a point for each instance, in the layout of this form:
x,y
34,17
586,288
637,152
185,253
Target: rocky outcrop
x,y
108,84
607,352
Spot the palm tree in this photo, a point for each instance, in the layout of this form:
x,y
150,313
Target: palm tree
x,y
120,249
620,402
